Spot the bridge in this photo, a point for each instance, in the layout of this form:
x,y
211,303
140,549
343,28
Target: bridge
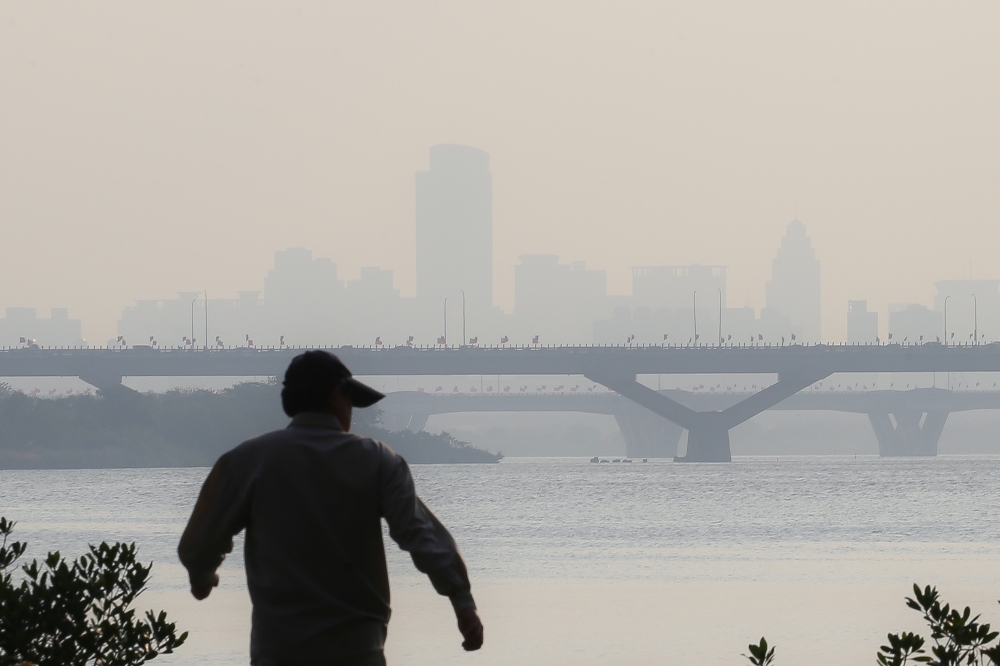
x,y
648,435
797,367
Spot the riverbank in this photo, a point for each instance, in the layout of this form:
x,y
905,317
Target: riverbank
x,y
174,429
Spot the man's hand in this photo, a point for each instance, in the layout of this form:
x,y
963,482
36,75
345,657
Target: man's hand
x,y
201,593
472,629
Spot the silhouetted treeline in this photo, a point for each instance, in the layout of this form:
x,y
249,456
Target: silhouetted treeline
x,y
173,429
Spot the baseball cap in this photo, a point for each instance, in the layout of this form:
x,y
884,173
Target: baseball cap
x,y
318,370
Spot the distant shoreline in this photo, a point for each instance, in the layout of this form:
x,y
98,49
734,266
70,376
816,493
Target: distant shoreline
x,y
128,430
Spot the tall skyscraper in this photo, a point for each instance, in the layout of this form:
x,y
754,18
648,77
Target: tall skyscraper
x,y
455,232
794,288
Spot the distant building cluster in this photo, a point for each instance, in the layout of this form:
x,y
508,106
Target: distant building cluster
x,y
965,312
305,302
23,327
687,304
862,325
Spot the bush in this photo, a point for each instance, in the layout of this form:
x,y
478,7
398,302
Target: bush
x,y
958,638
759,654
77,613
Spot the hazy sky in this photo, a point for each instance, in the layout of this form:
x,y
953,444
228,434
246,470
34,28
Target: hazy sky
x,y
147,148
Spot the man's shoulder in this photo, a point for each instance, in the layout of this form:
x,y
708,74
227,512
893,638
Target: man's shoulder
x,y
263,441
261,444
377,445
374,447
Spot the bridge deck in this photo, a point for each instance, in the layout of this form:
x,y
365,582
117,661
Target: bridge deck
x,y
798,359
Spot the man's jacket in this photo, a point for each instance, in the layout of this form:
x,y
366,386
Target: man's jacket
x,y
311,499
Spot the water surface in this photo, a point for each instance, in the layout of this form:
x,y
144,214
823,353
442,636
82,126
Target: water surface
x,y
578,563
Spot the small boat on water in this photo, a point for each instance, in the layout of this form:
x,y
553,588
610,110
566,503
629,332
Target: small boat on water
x,y
597,459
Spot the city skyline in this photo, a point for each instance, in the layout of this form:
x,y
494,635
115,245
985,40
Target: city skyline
x,y
306,302
658,305
302,294
744,253
141,165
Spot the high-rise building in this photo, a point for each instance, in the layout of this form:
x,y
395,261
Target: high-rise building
x,y
454,228
675,287
794,288
304,304
665,299
913,324
862,325
22,326
298,282
557,302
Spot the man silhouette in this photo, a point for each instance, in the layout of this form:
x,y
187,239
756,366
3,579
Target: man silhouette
x,y
311,498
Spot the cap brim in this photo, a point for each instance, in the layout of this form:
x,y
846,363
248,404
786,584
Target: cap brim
x,y
362,395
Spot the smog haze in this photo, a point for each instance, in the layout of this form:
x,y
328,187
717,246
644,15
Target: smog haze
x,y
151,148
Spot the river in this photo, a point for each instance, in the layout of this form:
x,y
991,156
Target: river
x,y
579,563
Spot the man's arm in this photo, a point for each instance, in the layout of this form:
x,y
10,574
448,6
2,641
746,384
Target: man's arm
x,y
434,552
208,536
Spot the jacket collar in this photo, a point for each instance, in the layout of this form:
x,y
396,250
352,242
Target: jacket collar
x,y
315,420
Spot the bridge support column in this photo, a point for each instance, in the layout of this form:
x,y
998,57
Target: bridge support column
x,y
908,437
646,435
708,439
708,432
106,383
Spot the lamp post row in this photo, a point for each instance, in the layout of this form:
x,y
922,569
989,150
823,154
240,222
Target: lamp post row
x,y
206,320
975,319
694,313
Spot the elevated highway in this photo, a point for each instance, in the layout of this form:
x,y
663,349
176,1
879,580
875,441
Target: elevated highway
x,y
797,367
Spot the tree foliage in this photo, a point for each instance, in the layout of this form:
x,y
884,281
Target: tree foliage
x,y
78,613
958,637
177,428
759,654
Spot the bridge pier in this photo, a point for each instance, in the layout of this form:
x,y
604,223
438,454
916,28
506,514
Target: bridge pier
x,y
908,436
708,432
646,435
107,383
708,439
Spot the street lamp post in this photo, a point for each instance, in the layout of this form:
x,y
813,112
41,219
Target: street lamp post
x,y
694,313
465,340
206,319
445,338
946,319
720,315
192,323
975,319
